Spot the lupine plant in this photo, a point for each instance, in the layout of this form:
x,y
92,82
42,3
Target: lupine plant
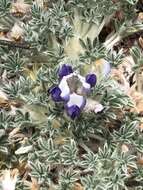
x,y
71,99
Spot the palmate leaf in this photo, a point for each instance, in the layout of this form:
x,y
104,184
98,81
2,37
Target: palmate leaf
x,y
7,22
4,150
49,151
132,2
40,171
94,10
13,63
91,182
67,179
129,7
69,154
11,89
4,7
6,121
36,11
114,58
90,161
93,50
126,132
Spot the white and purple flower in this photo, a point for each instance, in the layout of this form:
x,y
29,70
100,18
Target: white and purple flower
x,y
72,90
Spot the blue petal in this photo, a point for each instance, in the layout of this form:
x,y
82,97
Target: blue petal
x,y
91,79
64,71
55,94
73,111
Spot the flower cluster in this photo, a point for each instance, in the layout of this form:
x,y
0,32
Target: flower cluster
x,y
72,90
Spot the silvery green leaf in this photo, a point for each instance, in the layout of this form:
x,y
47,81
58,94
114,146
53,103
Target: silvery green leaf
x,y
3,150
23,150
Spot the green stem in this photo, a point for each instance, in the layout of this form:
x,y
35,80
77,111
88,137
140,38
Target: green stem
x,y
112,41
81,144
96,137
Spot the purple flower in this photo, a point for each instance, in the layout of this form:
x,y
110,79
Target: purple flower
x,y
55,94
73,111
68,92
64,71
91,79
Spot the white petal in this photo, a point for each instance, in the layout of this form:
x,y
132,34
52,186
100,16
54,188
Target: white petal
x,y
76,99
93,105
84,83
106,68
68,76
64,88
98,108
